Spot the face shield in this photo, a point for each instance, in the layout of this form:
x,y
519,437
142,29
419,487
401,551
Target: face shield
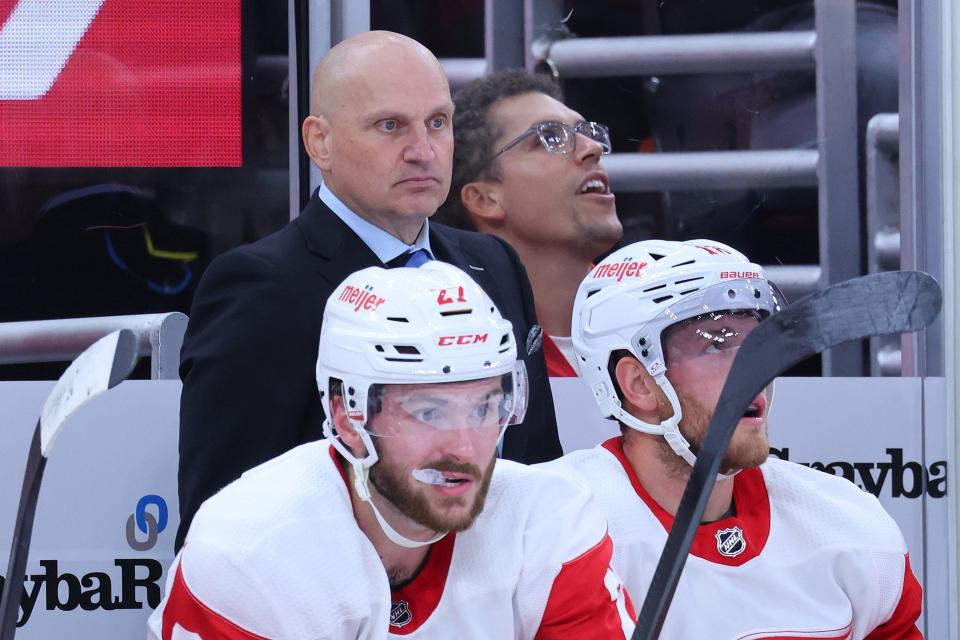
x,y
709,325
711,339
482,407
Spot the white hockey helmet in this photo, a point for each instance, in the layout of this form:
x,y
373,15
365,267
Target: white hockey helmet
x,y
430,324
631,297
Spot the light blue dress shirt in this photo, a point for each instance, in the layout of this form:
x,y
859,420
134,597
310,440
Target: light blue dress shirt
x,y
385,245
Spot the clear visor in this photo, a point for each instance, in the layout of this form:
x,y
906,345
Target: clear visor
x,y
484,405
714,337
709,325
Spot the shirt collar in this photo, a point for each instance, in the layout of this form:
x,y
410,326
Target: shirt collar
x,y
383,244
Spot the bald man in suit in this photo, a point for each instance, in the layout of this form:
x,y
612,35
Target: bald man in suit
x,y
380,133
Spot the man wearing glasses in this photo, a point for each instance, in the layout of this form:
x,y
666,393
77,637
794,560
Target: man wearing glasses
x,y
527,168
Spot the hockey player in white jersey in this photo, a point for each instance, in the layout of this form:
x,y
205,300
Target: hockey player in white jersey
x,y
402,522
784,551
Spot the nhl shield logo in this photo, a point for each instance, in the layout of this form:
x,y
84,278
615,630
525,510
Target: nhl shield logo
x,y
730,542
400,614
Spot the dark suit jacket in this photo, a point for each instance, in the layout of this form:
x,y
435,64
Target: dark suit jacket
x,y
247,365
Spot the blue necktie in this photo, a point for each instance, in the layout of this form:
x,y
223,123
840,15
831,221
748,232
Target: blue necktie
x,y
411,259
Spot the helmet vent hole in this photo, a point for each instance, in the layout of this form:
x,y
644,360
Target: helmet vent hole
x,y
657,256
379,348
731,293
407,349
457,312
446,368
659,286
688,291
505,338
756,294
398,319
689,280
593,292
683,264
644,353
662,299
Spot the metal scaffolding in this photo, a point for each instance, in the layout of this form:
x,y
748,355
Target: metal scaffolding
x,y
159,335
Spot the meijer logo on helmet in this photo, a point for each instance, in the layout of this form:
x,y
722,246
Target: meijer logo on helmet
x,y
629,268
361,299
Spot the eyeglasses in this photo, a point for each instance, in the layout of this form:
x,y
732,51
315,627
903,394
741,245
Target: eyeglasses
x,y
560,138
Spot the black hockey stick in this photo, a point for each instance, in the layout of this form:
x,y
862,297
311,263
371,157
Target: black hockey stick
x,y
884,303
104,364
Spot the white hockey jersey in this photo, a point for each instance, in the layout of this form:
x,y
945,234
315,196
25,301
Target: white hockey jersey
x,y
807,555
278,554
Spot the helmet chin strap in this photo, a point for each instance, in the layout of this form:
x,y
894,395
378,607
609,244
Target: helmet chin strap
x,y
360,484
669,428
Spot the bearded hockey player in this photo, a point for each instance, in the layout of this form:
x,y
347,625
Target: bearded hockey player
x,y
402,522
784,551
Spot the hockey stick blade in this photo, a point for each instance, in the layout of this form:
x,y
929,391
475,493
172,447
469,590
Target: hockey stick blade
x,y
102,366
884,303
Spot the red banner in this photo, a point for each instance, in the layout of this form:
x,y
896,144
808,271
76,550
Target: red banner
x,y
120,83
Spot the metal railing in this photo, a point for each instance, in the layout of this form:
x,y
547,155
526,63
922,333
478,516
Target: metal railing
x,y
690,170
883,223
677,54
462,71
795,281
159,336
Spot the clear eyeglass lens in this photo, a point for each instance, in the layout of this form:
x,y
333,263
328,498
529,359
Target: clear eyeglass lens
x,y
596,132
556,137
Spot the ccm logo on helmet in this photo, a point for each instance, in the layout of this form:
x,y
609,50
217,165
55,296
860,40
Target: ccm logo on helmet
x,y
629,268
727,275
470,338
361,298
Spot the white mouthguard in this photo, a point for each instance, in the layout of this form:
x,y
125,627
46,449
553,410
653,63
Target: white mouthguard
x,y
431,476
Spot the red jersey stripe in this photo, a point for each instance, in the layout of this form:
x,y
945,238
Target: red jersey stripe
x,y
185,609
581,604
902,625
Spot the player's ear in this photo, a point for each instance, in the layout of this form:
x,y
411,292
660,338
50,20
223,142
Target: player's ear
x,y
484,202
638,388
345,429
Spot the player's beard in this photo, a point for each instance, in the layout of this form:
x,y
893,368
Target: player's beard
x,y
746,449
410,498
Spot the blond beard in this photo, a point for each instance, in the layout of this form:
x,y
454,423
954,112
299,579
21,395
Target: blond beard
x,y
744,451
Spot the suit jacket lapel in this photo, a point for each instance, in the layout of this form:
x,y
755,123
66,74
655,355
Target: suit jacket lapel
x,y
446,247
340,251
